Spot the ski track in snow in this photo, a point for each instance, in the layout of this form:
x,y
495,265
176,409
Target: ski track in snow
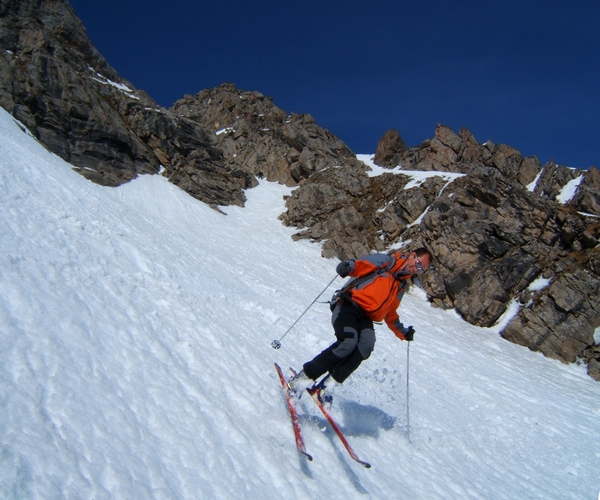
x,y
135,362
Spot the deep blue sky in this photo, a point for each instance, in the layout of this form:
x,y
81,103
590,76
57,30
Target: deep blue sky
x,y
523,73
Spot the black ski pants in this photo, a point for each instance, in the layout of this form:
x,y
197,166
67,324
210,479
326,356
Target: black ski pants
x,y
355,342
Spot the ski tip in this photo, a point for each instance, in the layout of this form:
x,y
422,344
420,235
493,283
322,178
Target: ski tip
x,y
366,465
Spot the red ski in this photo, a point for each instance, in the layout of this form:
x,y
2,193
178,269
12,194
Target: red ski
x,y
333,423
336,428
293,414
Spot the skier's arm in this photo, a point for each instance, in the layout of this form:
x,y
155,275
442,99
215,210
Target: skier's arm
x,y
392,320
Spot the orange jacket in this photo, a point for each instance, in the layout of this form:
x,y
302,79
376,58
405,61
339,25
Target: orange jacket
x,y
380,292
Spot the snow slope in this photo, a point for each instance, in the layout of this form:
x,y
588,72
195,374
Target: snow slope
x,y
135,362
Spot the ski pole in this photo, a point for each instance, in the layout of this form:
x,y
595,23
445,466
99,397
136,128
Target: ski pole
x,y
276,344
407,391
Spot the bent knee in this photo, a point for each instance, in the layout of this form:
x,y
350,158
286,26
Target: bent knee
x,y
366,342
348,343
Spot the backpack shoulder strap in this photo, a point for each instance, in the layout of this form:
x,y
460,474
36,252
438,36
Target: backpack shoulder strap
x,y
363,279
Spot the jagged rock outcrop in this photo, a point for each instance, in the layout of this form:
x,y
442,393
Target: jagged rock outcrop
x,y
587,198
560,321
261,139
489,250
494,231
451,152
390,149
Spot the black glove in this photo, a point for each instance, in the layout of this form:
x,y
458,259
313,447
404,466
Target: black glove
x,y
408,332
344,268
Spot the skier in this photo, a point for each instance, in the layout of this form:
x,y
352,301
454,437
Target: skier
x,y
374,292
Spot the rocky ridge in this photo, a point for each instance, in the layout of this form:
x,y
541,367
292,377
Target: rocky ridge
x,y
502,227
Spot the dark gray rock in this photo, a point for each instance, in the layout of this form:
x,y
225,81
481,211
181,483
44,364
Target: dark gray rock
x,y
389,149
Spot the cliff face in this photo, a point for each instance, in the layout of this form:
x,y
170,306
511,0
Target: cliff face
x,y
501,227
57,84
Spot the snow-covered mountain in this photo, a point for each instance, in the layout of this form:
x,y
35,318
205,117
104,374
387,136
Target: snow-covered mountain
x,y
135,362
